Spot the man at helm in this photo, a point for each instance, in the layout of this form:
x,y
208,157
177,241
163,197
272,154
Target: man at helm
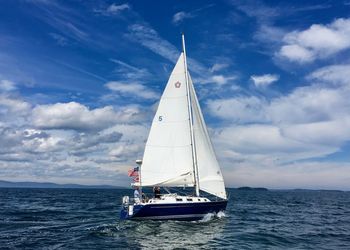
x,y
137,196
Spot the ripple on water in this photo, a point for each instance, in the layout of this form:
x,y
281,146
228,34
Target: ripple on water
x,y
83,219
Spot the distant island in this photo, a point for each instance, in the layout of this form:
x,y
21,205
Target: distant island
x,y
252,189
28,184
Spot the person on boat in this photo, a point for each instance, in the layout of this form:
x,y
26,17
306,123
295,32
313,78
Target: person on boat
x,y
137,196
156,191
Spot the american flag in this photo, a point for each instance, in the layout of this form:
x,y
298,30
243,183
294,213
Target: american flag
x,y
134,172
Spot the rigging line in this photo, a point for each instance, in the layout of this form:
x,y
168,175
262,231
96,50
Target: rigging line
x,y
194,153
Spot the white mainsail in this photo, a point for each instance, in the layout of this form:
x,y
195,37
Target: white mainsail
x,y
169,159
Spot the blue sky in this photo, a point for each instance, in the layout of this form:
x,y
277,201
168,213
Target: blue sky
x,y
80,81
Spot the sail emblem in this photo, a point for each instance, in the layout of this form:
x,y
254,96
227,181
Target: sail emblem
x,y
177,84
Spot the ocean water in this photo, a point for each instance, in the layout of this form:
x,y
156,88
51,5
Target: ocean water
x,y
89,219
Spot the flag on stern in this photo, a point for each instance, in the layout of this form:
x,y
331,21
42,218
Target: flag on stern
x,y
134,172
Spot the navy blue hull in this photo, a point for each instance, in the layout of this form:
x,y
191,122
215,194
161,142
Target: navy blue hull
x,y
174,211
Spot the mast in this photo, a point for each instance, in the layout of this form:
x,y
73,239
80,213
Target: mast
x,y
193,146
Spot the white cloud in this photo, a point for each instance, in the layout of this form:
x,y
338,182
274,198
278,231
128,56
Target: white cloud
x,y
115,9
218,79
317,42
125,151
7,86
308,104
297,53
76,116
218,66
312,175
13,104
311,121
334,74
132,89
258,139
149,38
180,16
69,142
332,133
239,109
269,34
264,80
129,72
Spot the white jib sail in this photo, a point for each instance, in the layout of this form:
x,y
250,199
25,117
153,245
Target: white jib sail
x,y
167,159
210,176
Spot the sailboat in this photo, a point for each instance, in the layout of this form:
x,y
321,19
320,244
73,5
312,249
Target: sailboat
x,y
178,153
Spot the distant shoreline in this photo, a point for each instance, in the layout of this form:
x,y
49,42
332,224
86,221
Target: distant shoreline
x,y
29,184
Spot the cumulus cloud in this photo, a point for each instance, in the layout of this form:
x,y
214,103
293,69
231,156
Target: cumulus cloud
x,y
239,109
124,152
69,142
297,53
311,121
76,116
313,175
334,74
269,34
132,89
7,86
264,80
12,104
308,104
317,42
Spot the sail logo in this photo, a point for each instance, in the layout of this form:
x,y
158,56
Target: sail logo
x,y
177,84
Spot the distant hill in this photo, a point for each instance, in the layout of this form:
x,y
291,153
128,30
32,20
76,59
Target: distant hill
x,y
28,184
252,189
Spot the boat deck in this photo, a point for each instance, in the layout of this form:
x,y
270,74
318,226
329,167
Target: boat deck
x,y
172,206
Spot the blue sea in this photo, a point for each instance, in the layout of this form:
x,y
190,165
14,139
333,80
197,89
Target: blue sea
x,y
89,219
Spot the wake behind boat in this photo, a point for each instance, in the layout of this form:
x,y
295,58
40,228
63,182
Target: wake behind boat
x,y
178,153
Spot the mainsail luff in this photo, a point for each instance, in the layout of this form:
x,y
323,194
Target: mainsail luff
x,y
193,142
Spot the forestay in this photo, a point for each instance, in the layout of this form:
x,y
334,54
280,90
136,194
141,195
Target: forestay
x,y
167,159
